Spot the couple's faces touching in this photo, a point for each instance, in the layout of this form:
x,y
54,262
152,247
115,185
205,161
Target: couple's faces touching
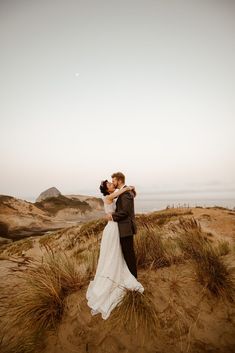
x,y
111,186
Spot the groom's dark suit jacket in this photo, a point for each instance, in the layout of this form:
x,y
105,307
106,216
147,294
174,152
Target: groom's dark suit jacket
x,y
125,214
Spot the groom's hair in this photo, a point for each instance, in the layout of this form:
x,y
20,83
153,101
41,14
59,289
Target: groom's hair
x,y
119,176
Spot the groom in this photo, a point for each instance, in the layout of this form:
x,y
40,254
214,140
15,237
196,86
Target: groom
x,y
125,216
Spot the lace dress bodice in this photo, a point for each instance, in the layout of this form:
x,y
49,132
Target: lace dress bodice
x,y
111,207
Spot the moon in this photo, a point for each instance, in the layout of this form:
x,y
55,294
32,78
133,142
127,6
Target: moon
x,y
77,74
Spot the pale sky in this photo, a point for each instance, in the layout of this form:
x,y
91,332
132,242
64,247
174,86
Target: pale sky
x,y
145,87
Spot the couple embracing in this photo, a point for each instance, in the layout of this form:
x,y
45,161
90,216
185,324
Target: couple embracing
x,y
116,268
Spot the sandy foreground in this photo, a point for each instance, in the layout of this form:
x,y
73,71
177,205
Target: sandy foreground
x,y
190,318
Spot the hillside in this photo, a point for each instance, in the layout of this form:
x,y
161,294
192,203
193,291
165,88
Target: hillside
x,y
20,218
186,260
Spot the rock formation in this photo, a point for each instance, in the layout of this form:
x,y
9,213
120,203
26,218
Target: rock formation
x,y
51,192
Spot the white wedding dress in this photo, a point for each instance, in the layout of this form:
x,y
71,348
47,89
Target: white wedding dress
x,y
112,274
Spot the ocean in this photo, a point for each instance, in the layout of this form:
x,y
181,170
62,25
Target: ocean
x,y
148,204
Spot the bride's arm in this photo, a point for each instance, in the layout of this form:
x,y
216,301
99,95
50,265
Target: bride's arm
x,y
115,194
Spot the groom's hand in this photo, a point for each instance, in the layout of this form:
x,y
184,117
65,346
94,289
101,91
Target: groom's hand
x,y
109,217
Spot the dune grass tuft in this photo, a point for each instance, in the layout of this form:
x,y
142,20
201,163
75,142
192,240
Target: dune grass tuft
x,y
223,247
159,218
149,248
137,313
18,247
89,259
40,300
92,228
215,273
211,269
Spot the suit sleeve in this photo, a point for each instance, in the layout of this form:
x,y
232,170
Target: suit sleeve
x,y
126,207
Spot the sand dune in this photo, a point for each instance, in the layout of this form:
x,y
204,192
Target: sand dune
x,y
190,317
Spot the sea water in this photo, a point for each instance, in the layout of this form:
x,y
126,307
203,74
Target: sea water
x,y
149,204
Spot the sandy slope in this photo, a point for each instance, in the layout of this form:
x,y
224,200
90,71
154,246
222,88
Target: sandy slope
x,y
190,319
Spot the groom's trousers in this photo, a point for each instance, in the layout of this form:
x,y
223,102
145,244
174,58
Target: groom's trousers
x,y
129,253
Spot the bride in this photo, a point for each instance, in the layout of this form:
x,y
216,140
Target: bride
x,y
112,274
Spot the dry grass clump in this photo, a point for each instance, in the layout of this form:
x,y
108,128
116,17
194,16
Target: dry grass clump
x,y
190,237
71,241
137,313
223,247
69,234
149,248
89,260
173,251
18,247
211,269
72,236
92,228
40,300
46,239
159,218
78,252
216,274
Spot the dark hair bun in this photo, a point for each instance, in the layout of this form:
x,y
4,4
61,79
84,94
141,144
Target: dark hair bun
x,y
103,187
